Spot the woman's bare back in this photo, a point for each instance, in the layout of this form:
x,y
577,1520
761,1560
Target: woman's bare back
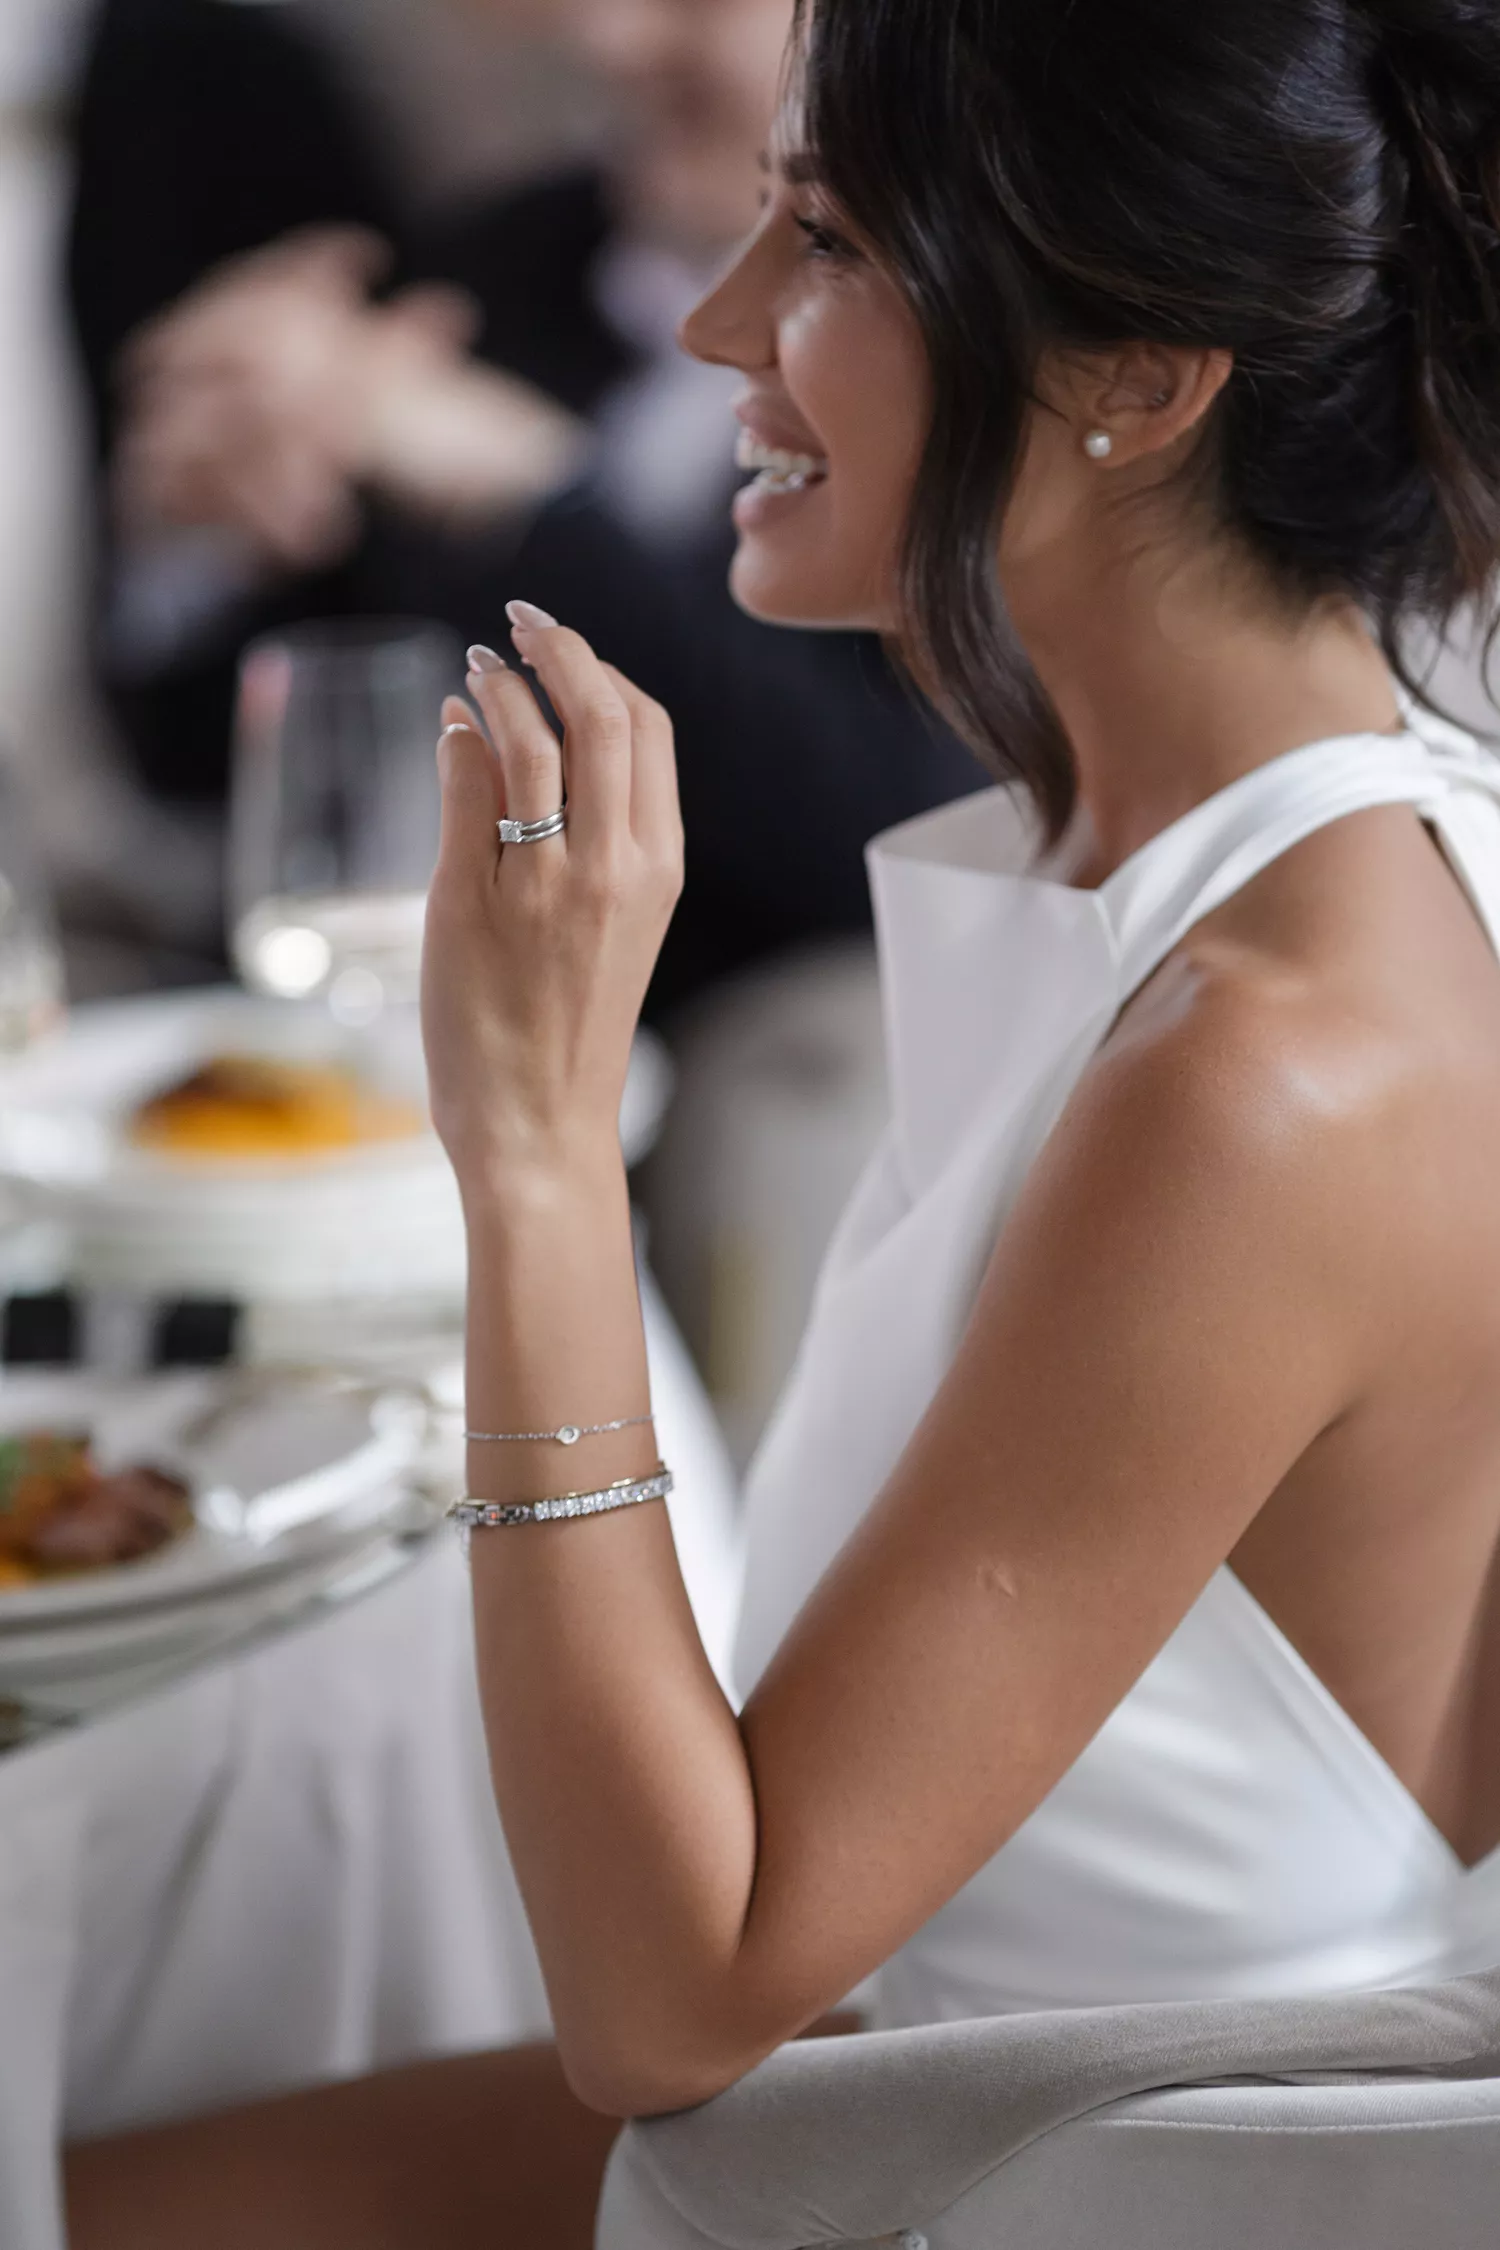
x,y
1377,1555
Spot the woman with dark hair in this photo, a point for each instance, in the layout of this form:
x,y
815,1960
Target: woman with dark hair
x,y
1123,1616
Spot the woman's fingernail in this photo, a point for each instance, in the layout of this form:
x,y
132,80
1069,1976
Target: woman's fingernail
x,y
528,616
458,727
482,659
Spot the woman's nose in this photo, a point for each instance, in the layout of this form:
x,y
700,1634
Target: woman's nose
x,y
734,325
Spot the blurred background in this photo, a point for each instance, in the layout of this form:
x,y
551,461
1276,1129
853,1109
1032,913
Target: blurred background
x,y
322,319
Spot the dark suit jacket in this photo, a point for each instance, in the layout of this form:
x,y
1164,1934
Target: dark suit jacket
x,y
794,749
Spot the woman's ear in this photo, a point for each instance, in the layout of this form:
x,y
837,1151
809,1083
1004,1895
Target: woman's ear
x,y
1143,398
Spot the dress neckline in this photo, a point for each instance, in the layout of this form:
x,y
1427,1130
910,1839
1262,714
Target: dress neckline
x,y
997,831
961,891
1248,793
1252,785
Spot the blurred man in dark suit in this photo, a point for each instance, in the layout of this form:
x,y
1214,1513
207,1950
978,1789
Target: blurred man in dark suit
x,y
493,406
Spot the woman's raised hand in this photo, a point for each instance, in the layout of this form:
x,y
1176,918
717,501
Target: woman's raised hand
x,y
538,956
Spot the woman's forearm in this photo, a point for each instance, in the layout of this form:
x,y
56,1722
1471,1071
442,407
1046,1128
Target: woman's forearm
x,y
619,1767
620,1770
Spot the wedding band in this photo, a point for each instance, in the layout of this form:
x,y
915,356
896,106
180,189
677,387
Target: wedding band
x,y
533,831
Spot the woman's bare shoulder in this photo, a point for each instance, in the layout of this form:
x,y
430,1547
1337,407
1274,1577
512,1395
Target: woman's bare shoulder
x,y
1349,986
1305,1055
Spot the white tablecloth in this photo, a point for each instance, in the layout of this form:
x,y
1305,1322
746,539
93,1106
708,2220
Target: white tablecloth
x,y
288,1869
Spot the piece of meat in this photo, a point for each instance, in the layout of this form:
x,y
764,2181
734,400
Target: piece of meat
x,y
112,1519
36,1471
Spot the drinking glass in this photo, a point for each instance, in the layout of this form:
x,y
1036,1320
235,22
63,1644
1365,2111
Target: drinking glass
x,y
333,831
31,971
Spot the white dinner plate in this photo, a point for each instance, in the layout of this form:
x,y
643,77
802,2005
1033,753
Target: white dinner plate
x,y
369,1222
283,1468
70,1657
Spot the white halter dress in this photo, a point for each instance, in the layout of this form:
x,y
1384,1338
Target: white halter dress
x,y
1229,1831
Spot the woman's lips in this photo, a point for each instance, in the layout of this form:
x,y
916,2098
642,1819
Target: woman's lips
x,y
779,475
776,464
759,505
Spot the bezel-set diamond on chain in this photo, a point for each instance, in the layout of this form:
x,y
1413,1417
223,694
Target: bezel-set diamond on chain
x,y
569,1434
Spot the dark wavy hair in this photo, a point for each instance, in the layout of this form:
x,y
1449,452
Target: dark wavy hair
x,y
1313,185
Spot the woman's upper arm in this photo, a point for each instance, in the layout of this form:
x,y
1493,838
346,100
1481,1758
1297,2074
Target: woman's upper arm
x,y
1167,1324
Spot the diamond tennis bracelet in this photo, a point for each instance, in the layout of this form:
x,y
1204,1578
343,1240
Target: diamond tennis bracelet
x,y
496,1515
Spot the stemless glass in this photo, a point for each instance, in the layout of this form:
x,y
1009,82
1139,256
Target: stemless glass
x,y
333,831
31,971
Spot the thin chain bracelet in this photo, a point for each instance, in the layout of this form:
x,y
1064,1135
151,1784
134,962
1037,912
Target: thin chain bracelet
x,y
498,1515
569,1434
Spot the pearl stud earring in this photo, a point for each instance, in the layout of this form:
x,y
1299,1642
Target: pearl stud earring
x,y
1098,445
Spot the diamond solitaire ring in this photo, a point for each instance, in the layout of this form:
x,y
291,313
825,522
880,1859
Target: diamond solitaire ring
x,y
533,831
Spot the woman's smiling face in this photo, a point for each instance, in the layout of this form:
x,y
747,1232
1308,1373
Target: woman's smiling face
x,y
835,411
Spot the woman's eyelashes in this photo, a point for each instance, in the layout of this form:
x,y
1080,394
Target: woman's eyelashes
x,y
822,241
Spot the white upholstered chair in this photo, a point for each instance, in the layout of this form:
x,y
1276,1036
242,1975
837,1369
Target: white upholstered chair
x,y
1369,2122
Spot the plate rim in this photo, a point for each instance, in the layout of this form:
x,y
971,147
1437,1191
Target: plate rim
x,y
117,1590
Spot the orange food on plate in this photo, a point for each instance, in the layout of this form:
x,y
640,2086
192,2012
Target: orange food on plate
x,y
61,1515
253,1105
